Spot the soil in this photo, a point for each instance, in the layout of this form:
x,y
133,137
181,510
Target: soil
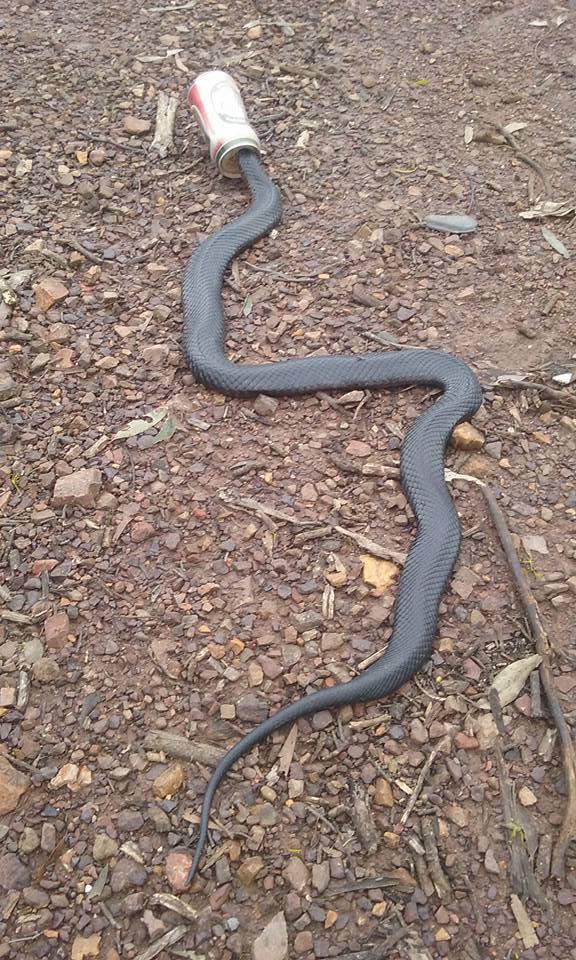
x,y
141,596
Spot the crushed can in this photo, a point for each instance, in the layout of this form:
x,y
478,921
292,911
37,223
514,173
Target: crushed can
x,y
215,99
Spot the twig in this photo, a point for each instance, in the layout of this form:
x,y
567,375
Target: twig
x,y
543,647
380,952
439,878
288,278
163,140
181,747
523,879
247,503
419,785
95,138
173,936
548,392
80,248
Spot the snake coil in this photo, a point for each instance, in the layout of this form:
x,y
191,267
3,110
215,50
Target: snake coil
x,y
434,551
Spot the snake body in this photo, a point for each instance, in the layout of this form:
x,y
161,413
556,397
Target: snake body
x,y
435,548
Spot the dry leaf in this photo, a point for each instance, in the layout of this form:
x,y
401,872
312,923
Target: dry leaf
x,y
380,574
549,208
509,681
555,243
525,925
514,127
135,427
468,133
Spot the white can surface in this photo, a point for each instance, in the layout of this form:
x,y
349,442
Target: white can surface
x,y
215,99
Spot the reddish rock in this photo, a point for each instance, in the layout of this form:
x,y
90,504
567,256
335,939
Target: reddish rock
x,y
136,126
357,448
78,489
48,292
464,742
56,630
177,870
13,785
140,531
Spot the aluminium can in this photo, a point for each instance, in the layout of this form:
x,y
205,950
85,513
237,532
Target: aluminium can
x,y
215,99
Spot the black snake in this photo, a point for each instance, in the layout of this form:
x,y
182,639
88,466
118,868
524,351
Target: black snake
x,y
435,548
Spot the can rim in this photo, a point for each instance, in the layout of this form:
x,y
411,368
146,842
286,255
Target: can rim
x,y
225,157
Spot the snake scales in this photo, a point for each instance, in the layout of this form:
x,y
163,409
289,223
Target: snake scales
x,y
435,548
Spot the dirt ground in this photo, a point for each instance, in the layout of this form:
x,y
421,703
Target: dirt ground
x,y
149,617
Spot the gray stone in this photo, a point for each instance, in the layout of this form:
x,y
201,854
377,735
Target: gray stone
x,y
14,875
29,841
272,944
104,847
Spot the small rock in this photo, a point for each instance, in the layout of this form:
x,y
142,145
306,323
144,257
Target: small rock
x,y
136,126
104,847
155,354
97,156
526,797
467,437
48,292
32,651
68,774
369,81
177,870
249,870
322,719
13,785
8,386
169,782
490,862
78,489
48,838
251,709
254,32
272,944
464,742
84,947
296,873
127,873
46,670
14,875
56,630
265,406
29,841
383,796
129,820
141,531
357,448
303,942
321,876
7,697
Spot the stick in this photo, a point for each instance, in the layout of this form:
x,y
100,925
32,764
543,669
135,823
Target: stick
x,y
543,647
549,393
80,248
363,820
439,878
522,876
173,936
419,785
163,141
523,156
181,747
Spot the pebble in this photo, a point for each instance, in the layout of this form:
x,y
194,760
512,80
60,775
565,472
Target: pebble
x,y
14,875
357,448
265,406
46,670
127,873
467,437
321,876
272,944
56,630
78,489
303,942
48,837
13,785
169,782
251,709
97,156
383,796
297,875
104,847
321,720
129,820
177,870
136,126
29,841
249,870
141,531
49,291
526,797
490,862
